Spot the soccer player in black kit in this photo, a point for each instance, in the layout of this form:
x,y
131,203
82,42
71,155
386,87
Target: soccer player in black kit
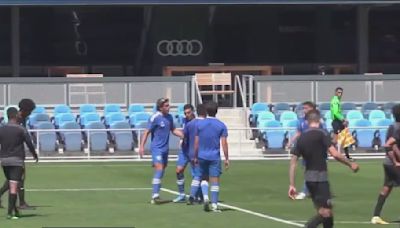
x,y
313,146
12,156
26,106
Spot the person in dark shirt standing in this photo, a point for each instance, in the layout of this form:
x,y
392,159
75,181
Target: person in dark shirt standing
x,y
312,145
26,106
12,157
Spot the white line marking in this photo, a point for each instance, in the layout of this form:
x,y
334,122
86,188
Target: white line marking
x,y
247,211
86,189
343,222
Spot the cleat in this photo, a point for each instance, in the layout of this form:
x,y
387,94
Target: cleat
x,y
190,200
214,208
180,199
206,206
12,217
158,201
378,220
26,206
301,196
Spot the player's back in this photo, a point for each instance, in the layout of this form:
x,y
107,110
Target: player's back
x,y
313,145
12,138
210,131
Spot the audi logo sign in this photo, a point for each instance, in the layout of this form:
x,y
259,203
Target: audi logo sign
x,y
179,47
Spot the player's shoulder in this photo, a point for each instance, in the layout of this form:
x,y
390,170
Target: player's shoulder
x,y
217,121
155,116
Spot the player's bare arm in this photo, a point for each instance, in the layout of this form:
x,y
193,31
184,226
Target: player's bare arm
x,y
143,142
224,143
292,174
178,133
340,158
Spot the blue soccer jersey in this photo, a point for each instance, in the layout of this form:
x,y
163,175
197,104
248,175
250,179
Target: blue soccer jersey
x,y
160,127
190,133
210,131
303,125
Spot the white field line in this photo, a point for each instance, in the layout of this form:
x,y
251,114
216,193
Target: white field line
x,y
85,189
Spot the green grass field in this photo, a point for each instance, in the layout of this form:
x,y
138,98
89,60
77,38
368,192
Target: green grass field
x,y
118,194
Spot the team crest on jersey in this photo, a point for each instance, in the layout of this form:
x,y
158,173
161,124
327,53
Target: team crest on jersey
x,y
162,124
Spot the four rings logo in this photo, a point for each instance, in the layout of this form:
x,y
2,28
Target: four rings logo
x,y
179,47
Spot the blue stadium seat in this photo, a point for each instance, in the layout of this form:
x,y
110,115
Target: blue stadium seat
x,y
180,108
265,117
274,138
87,118
299,110
364,136
348,106
111,108
353,116
36,119
256,108
328,115
328,123
279,108
64,118
324,108
97,139
287,116
123,139
375,116
135,108
60,109
114,117
72,139
368,107
291,124
139,117
87,108
383,124
39,109
387,108
48,139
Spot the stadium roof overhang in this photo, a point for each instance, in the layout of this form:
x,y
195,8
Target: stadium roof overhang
x,y
185,2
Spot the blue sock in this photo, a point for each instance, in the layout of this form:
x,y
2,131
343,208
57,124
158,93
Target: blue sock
x,y
158,174
305,189
204,189
214,192
195,187
180,181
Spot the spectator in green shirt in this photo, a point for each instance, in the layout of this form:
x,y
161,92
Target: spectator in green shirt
x,y
339,123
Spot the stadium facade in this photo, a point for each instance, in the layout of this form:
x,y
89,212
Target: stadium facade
x,y
137,37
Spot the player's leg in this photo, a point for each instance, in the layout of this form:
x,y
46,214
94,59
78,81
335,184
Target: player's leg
x,y
3,190
21,192
390,181
13,175
204,172
215,173
195,185
180,178
321,196
159,164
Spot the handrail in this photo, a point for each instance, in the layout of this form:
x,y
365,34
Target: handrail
x,y
196,86
237,82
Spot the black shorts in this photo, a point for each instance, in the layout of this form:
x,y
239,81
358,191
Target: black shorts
x,y
320,194
392,176
337,126
13,173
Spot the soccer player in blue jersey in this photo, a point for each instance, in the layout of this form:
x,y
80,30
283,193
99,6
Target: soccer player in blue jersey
x,y
210,134
301,128
160,125
183,156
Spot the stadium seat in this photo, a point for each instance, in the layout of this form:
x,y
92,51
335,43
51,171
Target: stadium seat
x,y
299,110
383,125
328,123
111,108
363,135
60,109
279,108
64,118
123,139
375,116
87,108
273,138
291,124
113,118
180,109
287,116
97,140
368,107
346,107
39,109
47,139
87,118
139,117
265,117
135,108
387,108
72,140
324,108
328,115
35,119
256,108
353,116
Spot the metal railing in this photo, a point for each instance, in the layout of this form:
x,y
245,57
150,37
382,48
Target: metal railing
x,y
240,146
